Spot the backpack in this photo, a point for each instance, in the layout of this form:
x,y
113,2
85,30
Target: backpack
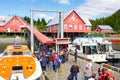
x,y
70,77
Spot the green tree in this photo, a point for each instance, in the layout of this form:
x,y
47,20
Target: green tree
x,y
38,24
27,19
43,24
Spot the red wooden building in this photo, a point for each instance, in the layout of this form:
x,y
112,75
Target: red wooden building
x,y
12,24
73,23
104,29
15,24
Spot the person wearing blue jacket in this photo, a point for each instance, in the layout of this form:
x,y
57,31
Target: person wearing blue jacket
x,y
57,63
44,63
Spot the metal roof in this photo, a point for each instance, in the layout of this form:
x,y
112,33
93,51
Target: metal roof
x,y
54,21
4,20
105,27
41,37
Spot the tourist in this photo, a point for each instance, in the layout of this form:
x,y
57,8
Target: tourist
x,y
88,70
75,55
100,72
74,71
106,74
44,63
53,59
111,77
50,62
67,53
87,73
57,63
63,55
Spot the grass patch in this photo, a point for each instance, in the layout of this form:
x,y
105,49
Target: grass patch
x,y
6,36
99,35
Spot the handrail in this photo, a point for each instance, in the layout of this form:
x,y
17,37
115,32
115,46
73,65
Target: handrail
x,y
111,67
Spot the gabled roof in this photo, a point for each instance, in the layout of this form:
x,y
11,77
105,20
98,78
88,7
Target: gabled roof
x,y
104,26
84,18
56,19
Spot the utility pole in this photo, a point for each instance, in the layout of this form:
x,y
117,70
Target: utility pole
x,y
60,28
32,31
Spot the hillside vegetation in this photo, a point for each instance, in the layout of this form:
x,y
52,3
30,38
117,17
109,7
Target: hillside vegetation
x,y
40,24
113,21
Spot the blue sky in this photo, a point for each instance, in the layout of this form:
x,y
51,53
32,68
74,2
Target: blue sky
x,y
90,8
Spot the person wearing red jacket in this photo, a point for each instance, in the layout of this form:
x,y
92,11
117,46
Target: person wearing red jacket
x,y
111,77
101,72
106,74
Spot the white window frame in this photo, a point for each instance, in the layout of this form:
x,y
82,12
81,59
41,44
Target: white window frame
x,y
70,26
75,27
80,27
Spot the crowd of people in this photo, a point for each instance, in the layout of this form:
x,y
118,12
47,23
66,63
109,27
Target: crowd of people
x,y
103,73
52,59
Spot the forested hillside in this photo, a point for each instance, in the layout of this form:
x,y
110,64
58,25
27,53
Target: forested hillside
x,y
113,21
41,24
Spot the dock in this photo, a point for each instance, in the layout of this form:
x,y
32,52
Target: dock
x,y
65,70
113,39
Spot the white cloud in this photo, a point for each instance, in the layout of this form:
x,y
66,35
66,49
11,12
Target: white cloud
x,y
63,1
2,17
95,8
44,16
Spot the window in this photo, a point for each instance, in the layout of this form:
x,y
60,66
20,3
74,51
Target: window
x,y
5,53
17,53
87,27
17,68
75,27
93,50
70,26
80,27
27,53
87,50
